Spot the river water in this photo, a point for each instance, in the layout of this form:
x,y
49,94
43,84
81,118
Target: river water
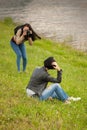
x,y
60,20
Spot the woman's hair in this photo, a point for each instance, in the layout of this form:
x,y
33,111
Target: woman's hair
x,y
34,35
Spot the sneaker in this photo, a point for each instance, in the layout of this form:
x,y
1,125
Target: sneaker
x,y
19,72
74,99
67,102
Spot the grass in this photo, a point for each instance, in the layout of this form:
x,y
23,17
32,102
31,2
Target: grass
x,y
17,111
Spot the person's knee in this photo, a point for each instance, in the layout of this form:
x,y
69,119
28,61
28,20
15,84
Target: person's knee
x,y
19,56
25,60
57,85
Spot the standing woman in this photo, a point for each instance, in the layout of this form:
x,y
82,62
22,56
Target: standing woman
x,y
22,33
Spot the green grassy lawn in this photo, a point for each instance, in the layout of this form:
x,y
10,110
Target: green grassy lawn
x,y
19,112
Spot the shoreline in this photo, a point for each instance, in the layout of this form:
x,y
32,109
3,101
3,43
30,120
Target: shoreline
x,y
67,41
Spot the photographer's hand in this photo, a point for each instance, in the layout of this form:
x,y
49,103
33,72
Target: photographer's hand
x,y
18,37
30,41
25,30
24,33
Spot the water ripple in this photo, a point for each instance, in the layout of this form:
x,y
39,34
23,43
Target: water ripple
x,y
59,20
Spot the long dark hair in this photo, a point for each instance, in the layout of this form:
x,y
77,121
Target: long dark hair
x,y
34,35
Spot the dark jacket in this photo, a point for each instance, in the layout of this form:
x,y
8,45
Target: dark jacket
x,y
40,79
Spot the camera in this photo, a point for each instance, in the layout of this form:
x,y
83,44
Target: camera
x,y
28,33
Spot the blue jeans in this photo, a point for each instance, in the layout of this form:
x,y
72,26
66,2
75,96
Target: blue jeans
x,y
20,51
54,91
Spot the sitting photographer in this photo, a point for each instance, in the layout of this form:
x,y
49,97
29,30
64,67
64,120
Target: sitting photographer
x,y
22,33
37,85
